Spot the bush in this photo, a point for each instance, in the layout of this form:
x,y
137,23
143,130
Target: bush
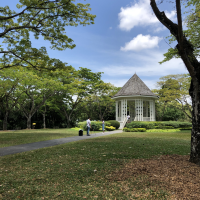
x,y
81,124
95,126
182,129
147,125
110,128
134,129
114,123
168,127
163,130
159,125
107,123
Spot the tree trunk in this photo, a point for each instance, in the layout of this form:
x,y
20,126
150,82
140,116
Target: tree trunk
x,y
29,122
44,123
186,52
44,119
195,134
5,121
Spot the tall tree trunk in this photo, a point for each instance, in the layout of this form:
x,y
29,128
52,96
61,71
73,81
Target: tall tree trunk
x,y
29,121
44,122
5,121
44,119
186,52
195,135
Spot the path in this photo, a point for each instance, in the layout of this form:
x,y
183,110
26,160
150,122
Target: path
x,y
48,143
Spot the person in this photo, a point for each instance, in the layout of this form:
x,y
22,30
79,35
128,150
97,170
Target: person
x,y
88,126
103,126
128,117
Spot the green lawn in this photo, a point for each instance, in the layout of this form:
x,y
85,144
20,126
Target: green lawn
x,y
80,170
10,138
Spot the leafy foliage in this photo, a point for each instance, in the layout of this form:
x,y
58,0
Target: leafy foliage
x,y
159,125
192,22
114,123
110,128
134,129
174,101
42,18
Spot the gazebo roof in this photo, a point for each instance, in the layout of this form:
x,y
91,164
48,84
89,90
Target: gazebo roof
x,y
134,87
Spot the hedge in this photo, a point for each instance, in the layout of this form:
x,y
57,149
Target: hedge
x,y
163,130
114,123
95,125
159,125
134,129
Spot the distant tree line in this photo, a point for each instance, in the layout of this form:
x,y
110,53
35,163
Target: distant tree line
x,y
53,99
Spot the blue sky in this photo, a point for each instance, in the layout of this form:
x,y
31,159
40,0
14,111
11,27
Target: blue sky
x,y
126,38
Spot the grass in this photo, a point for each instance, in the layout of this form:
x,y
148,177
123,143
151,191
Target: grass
x,y
82,170
11,138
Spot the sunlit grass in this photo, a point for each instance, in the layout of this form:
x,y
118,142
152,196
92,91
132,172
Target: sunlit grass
x,y
10,138
79,170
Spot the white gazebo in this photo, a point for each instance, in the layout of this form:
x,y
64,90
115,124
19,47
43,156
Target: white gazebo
x,y
135,99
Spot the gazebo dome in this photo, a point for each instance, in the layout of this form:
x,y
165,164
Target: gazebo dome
x,y
135,99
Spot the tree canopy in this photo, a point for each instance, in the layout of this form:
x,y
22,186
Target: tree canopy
x,y
192,22
172,91
41,18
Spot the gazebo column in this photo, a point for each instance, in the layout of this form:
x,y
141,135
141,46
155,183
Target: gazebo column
x,y
136,110
151,110
154,116
129,108
146,108
117,108
120,105
126,107
139,109
123,109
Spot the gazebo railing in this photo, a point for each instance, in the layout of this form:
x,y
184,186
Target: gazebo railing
x,y
124,122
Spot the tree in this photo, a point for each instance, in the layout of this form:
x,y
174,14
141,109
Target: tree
x,y
173,91
9,91
192,22
76,86
36,90
186,52
45,18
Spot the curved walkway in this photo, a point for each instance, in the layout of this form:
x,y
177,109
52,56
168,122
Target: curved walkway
x,y
48,143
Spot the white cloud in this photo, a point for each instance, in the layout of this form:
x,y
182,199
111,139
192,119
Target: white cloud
x,y
159,29
110,28
139,14
145,65
141,42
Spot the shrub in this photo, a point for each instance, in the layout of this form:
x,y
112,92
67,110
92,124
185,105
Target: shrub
x,y
188,128
134,129
168,127
110,128
107,123
95,126
147,125
159,125
81,124
163,130
114,123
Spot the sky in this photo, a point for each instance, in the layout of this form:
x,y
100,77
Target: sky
x,y
126,39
